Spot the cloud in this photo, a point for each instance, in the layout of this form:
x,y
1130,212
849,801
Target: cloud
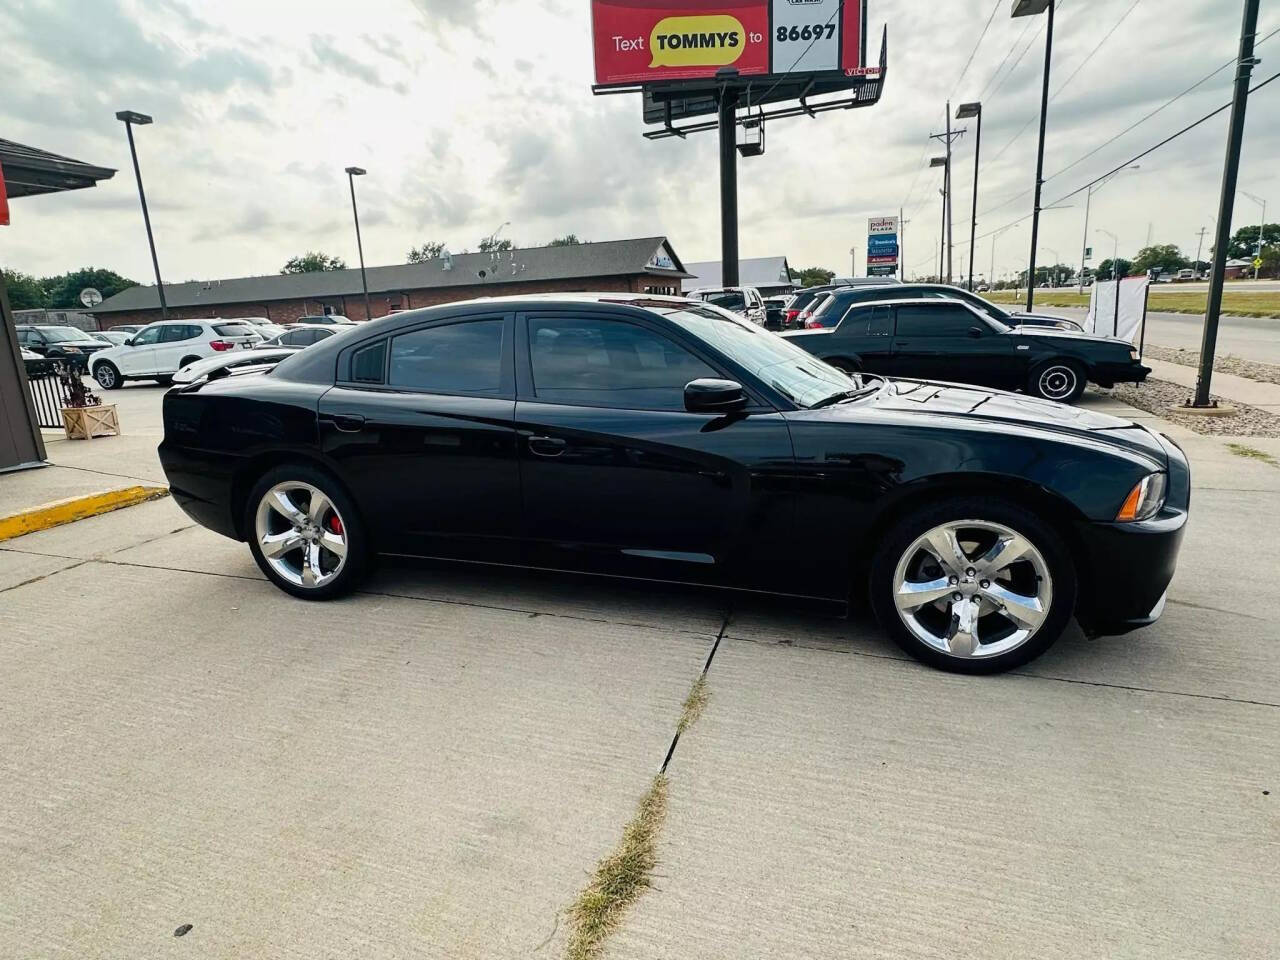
x,y
331,57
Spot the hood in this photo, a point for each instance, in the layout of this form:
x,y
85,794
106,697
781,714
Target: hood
x,y
962,404
1068,335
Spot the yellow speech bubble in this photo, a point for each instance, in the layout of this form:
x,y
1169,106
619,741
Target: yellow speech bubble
x,y
712,41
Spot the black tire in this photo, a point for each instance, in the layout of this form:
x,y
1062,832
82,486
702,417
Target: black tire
x,y
1060,380
107,376
1043,537
355,564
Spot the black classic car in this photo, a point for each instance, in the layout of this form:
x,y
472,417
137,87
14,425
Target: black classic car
x,y
845,298
659,438
948,340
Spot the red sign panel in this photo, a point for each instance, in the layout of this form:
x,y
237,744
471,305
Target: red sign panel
x,y
661,41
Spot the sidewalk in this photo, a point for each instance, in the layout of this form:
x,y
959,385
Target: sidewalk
x,y
1256,393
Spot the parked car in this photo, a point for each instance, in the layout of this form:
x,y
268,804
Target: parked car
x,y
161,349
68,344
129,327
35,364
324,318
804,298
744,301
775,309
231,363
112,338
949,340
265,328
663,438
299,336
806,316
863,281
846,299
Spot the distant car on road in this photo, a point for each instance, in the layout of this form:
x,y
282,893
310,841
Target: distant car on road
x,y
69,344
161,349
949,340
744,301
299,336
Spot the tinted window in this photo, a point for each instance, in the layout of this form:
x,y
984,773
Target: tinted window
x,y
610,363
729,299
942,320
867,321
147,337
990,310
826,313
27,336
232,329
178,331
65,335
458,358
368,362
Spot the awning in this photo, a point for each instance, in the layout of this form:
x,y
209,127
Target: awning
x,y
29,171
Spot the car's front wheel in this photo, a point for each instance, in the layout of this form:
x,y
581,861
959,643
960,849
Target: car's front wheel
x,y
107,376
305,533
1060,380
973,585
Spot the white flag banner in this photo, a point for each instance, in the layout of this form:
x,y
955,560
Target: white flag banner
x,y
1126,322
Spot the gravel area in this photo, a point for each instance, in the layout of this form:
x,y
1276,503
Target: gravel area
x,y
1156,396
1240,367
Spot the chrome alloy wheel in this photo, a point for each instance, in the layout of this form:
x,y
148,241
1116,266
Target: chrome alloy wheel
x,y
301,534
1057,382
972,589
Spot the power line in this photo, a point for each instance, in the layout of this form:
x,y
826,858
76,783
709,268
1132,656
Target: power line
x,y
1013,46
1030,43
974,51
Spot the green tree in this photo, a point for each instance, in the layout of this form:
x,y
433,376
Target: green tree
x,y
64,290
429,250
490,245
1162,257
1244,243
813,276
311,262
25,291
568,240
1270,261
1104,268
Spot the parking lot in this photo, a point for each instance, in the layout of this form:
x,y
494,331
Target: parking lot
x,y
434,766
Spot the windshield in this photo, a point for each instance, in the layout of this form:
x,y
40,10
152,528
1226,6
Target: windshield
x,y
65,334
998,317
728,299
798,375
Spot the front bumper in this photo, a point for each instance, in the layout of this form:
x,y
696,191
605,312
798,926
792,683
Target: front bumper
x,y
1107,375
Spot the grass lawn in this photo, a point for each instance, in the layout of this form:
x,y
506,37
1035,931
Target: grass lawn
x,y
1170,301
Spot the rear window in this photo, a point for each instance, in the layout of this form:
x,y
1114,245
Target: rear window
x,y
234,329
727,299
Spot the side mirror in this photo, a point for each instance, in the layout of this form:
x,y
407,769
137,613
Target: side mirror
x,y
975,332
714,396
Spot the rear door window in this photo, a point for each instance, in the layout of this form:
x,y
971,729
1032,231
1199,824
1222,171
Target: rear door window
x,y
461,358
936,320
864,320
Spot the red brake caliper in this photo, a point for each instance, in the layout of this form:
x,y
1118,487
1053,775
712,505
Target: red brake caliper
x,y
335,524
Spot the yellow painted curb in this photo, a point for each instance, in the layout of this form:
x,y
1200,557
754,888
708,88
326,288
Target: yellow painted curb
x,y
75,508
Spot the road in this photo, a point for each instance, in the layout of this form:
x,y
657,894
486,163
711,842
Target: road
x,y
1255,338
433,766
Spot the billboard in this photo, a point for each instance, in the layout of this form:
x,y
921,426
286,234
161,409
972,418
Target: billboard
x,y
639,42
882,246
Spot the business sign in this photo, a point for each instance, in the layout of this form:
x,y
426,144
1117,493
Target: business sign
x,y
882,246
671,41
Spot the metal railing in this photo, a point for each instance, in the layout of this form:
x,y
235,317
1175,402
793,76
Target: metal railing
x,y
49,397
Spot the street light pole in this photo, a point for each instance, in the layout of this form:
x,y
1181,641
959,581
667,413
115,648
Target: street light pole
x,y
1084,243
1262,226
1235,136
963,112
352,173
129,118
853,261
1026,8
945,163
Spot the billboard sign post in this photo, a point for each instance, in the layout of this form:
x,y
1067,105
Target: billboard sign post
x,y
691,58
882,246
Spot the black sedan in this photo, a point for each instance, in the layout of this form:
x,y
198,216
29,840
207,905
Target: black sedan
x,y
657,438
844,298
68,344
945,339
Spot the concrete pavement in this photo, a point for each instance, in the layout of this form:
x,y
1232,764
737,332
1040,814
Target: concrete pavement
x,y
433,766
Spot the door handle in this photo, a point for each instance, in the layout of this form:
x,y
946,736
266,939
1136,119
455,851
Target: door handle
x,y
547,446
349,422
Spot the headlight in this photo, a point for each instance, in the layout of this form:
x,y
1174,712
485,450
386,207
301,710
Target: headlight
x,y
70,349
1144,500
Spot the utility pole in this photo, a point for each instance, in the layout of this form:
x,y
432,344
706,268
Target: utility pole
x,y
1195,266
1235,136
902,247
945,162
728,129
942,232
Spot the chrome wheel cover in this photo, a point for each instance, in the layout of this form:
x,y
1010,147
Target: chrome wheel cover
x,y
972,589
1057,382
301,534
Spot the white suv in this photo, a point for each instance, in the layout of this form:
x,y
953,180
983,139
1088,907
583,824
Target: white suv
x,y
159,350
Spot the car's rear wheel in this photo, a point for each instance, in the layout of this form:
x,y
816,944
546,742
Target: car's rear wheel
x,y
973,585
107,376
305,533
1060,380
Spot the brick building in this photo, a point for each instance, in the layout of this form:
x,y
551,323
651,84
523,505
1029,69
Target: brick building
x,y
645,265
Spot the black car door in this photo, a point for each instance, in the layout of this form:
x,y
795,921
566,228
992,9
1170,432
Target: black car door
x,y
945,340
421,425
865,333
619,478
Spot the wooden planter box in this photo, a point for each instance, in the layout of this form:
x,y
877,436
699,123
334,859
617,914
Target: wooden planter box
x,y
85,423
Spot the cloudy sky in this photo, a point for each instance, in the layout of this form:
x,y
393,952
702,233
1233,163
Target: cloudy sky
x,y
468,114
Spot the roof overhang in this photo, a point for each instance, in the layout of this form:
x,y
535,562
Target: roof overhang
x,y
29,171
